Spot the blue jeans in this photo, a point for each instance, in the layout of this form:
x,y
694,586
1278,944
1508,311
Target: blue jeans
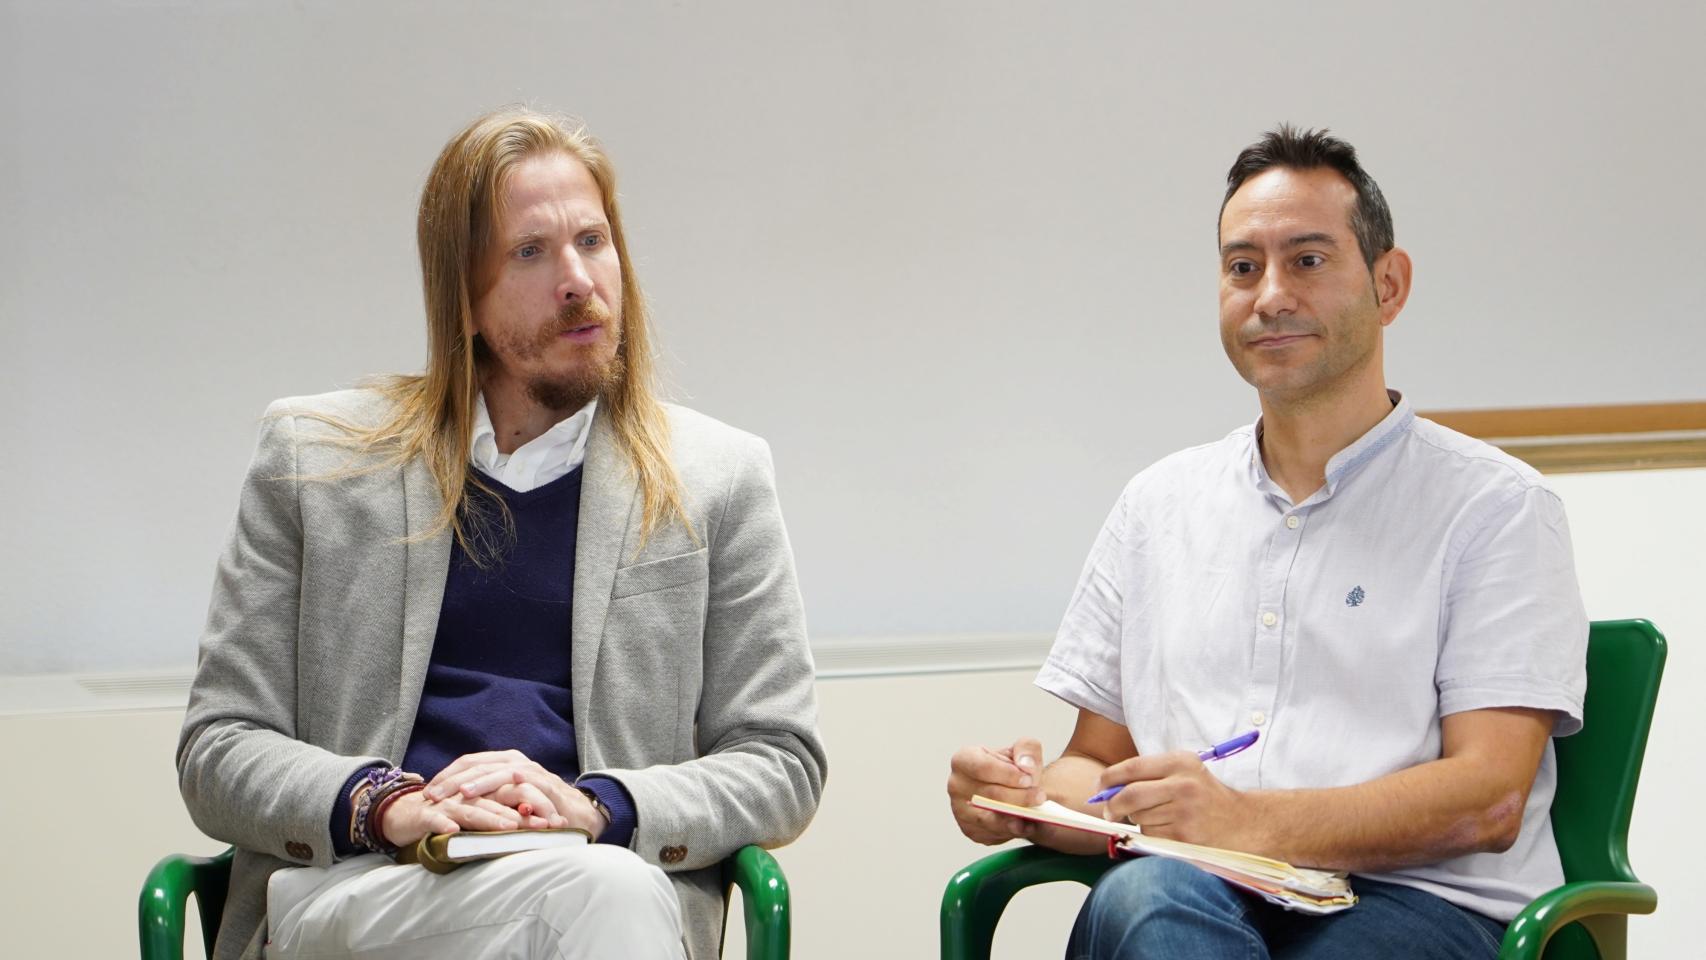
x,y
1157,908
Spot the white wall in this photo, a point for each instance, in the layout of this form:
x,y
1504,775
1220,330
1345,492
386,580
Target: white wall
x,y
1640,542
98,803
954,259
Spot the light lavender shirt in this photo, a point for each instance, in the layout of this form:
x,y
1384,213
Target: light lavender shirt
x,y
1432,574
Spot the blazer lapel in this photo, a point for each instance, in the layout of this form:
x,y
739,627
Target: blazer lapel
x,y
608,493
427,563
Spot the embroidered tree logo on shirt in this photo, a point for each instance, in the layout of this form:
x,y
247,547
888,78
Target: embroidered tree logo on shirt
x,y
1354,598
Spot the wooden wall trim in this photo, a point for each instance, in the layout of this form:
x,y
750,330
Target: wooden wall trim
x,y
1633,436
1574,421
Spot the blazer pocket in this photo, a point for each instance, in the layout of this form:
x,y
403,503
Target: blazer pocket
x,y
661,574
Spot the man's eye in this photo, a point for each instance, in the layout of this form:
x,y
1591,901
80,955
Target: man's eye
x,y
1311,260
1241,268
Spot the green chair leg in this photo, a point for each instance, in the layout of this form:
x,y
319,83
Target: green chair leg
x,y
764,893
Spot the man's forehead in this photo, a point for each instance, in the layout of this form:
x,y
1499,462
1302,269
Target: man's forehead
x,y
548,185
1288,200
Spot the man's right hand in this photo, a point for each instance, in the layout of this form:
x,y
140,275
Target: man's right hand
x,y
413,816
1010,774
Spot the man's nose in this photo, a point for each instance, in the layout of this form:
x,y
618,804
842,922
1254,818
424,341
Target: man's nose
x,y
574,283
1274,297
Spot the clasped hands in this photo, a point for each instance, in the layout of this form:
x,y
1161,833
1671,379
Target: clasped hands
x,y
495,790
1168,795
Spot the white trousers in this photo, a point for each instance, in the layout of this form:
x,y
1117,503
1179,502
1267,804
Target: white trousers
x,y
578,903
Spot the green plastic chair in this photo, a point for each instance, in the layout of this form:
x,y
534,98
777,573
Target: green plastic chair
x,y
1585,919
166,892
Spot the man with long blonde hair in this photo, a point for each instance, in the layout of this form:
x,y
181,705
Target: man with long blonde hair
x,y
515,592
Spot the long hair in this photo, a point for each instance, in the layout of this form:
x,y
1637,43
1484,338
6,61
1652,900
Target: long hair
x,y
432,413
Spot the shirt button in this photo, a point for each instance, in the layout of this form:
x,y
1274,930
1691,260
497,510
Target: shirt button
x,y
1258,718
1268,619
1291,522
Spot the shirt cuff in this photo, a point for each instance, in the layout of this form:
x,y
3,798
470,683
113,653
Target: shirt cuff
x,y
620,803
341,844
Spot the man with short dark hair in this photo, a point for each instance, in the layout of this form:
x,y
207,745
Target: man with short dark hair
x,y
515,592
1392,606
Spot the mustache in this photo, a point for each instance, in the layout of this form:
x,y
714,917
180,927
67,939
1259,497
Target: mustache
x,y
577,313
1260,330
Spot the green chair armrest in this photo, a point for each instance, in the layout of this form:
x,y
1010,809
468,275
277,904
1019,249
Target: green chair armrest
x,y
1526,937
976,896
165,895
764,893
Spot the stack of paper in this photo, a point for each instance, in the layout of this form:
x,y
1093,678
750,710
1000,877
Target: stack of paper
x,y
1295,888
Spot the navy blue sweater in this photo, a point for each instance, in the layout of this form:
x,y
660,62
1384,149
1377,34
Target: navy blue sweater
x,y
500,670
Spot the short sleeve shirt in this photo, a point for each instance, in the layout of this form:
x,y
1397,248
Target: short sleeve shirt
x,y
1430,575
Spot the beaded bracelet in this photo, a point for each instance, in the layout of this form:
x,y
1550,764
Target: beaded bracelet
x,y
375,784
380,797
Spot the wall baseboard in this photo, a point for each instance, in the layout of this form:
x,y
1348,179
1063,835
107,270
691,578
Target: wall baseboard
x,y
931,653
80,693
836,658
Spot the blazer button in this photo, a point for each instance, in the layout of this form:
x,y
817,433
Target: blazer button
x,y
299,850
672,854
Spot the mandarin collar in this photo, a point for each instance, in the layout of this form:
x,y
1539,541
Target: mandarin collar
x,y
1347,461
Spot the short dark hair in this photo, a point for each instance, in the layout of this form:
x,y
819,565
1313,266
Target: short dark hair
x,y
1287,146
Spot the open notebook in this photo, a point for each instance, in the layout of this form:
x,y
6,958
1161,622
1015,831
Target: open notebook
x,y
1295,888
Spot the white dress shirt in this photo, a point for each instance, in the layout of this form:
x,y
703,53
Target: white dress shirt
x,y
1431,574
537,462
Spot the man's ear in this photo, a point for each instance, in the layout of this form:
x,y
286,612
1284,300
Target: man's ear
x,y
1391,272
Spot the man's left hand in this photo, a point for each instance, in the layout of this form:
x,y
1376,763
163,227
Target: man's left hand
x,y
513,779
1173,796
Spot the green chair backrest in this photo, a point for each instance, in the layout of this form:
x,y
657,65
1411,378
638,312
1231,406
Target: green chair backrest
x,y
1599,767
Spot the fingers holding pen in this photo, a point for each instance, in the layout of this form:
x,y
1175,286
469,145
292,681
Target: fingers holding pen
x,y
1174,795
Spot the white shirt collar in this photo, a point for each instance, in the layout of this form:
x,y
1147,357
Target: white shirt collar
x,y
1340,464
552,454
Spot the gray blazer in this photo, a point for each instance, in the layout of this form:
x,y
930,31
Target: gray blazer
x,y
693,682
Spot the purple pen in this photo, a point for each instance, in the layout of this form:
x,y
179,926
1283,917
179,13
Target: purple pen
x,y
1219,751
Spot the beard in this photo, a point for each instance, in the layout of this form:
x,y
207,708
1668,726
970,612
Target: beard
x,y
576,388
598,366
1347,341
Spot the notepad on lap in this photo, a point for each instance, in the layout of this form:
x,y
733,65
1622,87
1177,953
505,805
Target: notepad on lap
x,y
1295,888
444,852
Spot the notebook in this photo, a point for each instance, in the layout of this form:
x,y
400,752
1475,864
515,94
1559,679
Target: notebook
x,y
1294,888
444,852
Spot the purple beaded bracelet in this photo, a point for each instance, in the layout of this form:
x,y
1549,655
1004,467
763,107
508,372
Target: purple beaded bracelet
x,y
369,792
